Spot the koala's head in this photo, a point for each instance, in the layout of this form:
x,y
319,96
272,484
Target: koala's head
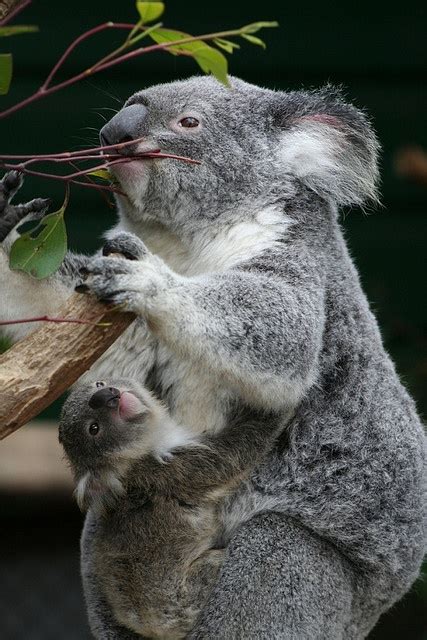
x,y
103,424
255,147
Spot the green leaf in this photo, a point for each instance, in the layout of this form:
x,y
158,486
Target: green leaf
x,y
254,40
14,31
40,252
5,72
161,36
227,45
209,59
101,173
256,26
150,11
212,61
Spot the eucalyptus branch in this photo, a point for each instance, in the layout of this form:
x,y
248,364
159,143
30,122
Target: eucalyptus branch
x,y
106,63
109,155
84,36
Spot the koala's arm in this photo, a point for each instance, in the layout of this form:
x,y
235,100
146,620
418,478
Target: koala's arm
x,y
260,330
216,462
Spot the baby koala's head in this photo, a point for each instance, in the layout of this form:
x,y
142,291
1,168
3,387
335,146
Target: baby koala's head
x,y
104,426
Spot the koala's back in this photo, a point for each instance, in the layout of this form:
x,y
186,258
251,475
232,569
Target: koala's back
x,y
352,467
154,560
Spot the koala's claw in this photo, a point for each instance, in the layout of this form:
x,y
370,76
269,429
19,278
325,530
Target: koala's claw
x,y
11,215
81,288
9,185
126,245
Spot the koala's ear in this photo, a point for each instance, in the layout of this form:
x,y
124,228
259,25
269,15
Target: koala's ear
x,y
328,145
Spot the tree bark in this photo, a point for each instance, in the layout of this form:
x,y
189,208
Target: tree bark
x,y
6,6
37,370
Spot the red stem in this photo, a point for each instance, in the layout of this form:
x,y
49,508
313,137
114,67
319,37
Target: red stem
x,y
43,92
77,41
72,154
20,7
71,177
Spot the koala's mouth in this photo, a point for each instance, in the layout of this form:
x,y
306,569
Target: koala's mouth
x,y
129,406
125,404
131,158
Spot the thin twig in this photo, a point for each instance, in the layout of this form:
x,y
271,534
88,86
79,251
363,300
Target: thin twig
x,y
43,91
79,40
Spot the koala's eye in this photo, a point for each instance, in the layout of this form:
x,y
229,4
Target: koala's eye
x,y
93,428
189,122
98,385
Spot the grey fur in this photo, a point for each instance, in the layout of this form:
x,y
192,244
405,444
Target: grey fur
x,y
247,296
155,516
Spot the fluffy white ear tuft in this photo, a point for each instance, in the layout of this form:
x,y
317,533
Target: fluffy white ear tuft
x,y
328,145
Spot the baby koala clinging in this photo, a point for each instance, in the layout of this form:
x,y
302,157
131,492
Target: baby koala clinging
x,y
154,491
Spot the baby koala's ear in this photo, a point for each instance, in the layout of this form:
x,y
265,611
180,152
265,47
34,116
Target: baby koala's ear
x,y
98,492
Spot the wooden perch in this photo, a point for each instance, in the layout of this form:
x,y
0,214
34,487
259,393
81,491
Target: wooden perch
x,y
37,370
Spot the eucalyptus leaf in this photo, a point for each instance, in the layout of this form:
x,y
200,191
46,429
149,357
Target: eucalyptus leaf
x,y
256,26
18,29
161,36
5,72
150,11
254,40
101,173
40,252
209,59
212,61
227,45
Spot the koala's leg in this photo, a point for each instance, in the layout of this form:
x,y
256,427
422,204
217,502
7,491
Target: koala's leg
x,y
101,620
279,581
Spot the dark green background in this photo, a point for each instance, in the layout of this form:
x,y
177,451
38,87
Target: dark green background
x,y
377,51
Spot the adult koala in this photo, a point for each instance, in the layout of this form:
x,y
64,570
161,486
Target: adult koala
x,y
248,301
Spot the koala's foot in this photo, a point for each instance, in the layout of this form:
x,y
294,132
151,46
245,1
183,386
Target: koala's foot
x,y
128,274
11,215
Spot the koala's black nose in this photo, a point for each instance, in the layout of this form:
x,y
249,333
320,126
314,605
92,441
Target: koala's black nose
x,y
106,397
128,124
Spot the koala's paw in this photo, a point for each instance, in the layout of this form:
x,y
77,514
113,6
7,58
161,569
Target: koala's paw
x,y
133,284
11,215
126,245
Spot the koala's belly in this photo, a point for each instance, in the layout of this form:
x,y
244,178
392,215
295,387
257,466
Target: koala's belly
x,y
196,398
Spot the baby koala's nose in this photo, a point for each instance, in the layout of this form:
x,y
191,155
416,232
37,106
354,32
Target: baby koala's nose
x,y
105,397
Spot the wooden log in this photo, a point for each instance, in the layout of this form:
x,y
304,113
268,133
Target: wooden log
x,y
37,370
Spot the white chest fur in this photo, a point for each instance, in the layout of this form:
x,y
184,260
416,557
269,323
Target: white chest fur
x,y
213,250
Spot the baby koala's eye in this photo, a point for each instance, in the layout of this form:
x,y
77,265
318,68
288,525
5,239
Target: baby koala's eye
x,y
98,385
93,428
189,122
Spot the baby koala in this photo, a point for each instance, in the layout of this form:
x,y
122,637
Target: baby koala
x,y
156,492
